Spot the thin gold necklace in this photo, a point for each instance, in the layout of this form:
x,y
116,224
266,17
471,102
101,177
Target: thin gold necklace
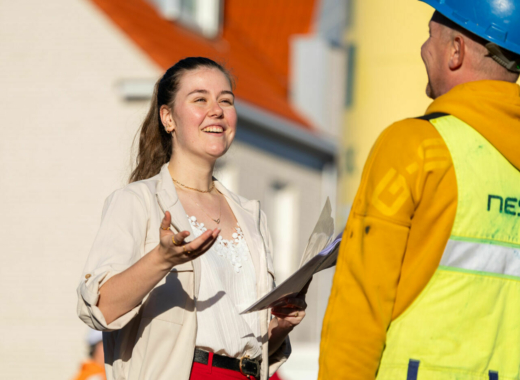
x,y
192,188
219,211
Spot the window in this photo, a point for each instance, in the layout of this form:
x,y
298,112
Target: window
x,y
350,165
283,225
350,14
351,74
201,15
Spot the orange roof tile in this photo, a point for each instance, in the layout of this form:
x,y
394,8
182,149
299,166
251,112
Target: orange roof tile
x,y
254,44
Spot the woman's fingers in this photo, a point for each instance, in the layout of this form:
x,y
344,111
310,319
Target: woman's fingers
x,y
297,303
178,239
165,223
179,250
303,292
196,243
290,319
209,242
292,312
287,312
292,303
203,242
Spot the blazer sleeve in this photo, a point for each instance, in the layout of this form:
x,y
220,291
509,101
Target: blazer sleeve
x,y
119,243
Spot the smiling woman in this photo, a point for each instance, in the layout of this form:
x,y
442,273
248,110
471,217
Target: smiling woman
x,y
178,256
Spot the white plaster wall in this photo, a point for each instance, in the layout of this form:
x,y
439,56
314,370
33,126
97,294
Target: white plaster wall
x,y
65,138
318,71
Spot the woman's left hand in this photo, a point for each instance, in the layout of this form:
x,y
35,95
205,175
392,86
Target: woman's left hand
x,y
292,311
289,313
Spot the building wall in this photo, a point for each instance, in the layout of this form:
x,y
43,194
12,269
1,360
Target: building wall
x,y
65,139
318,81
386,79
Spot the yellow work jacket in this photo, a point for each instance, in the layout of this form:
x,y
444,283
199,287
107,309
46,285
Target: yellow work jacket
x,y
401,221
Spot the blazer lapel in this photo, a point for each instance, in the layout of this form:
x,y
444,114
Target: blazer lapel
x,y
169,201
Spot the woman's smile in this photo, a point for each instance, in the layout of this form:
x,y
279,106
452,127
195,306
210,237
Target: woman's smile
x,y
214,129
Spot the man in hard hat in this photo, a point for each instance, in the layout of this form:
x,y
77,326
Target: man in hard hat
x,y
427,283
94,367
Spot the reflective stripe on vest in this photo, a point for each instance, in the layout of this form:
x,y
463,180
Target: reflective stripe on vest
x,y
466,323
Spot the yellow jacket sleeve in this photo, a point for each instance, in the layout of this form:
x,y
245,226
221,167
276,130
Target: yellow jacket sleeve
x,y
383,263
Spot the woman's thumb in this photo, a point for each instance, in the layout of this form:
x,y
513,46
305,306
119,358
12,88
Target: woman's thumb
x,y
165,223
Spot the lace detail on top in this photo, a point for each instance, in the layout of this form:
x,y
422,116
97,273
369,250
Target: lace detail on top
x,y
234,250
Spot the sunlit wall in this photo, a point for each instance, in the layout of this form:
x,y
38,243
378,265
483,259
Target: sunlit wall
x,y
386,79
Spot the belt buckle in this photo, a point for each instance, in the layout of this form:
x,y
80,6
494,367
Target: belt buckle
x,y
246,367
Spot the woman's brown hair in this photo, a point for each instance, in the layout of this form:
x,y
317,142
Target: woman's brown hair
x,y
155,144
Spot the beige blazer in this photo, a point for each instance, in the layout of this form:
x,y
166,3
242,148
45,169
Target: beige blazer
x,y
156,339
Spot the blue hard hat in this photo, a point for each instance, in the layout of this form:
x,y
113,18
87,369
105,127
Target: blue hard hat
x,y
496,21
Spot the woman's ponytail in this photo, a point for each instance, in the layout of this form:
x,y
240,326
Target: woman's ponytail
x,y
155,144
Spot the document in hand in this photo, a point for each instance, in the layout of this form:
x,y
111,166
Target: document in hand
x,y
321,253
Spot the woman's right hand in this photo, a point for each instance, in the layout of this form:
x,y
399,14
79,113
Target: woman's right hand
x,y
180,252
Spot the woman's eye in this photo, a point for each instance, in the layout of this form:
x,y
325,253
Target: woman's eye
x,y
200,100
227,101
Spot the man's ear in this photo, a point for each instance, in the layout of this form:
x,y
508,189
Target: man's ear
x,y
167,118
457,52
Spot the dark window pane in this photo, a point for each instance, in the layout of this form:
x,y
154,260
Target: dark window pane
x,y
351,74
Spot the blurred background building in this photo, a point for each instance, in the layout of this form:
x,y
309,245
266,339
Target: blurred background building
x,y
386,80
77,77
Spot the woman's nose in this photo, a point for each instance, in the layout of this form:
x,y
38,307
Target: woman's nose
x,y
216,110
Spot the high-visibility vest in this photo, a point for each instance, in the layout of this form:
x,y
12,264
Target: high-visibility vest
x,y
465,324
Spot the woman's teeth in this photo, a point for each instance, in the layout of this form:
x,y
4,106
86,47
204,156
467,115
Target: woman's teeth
x,y
213,129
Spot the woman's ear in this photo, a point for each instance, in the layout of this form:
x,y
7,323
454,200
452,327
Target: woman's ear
x,y
167,119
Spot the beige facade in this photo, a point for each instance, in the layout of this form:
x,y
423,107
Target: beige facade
x,y
386,79
65,141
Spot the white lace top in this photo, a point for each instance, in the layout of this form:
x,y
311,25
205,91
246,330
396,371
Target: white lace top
x,y
227,286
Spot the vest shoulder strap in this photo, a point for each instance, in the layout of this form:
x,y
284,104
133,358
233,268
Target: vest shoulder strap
x,y
432,116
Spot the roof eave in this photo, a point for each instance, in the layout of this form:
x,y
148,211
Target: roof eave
x,y
287,129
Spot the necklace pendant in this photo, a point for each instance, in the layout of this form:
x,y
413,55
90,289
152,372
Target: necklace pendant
x,y
216,220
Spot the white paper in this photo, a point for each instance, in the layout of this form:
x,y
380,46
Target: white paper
x,y
322,234
321,253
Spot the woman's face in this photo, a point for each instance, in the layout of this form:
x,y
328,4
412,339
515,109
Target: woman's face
x,y
204,115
